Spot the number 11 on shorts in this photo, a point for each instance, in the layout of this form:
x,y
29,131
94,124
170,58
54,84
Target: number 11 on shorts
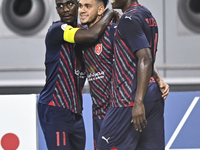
x,y
58,138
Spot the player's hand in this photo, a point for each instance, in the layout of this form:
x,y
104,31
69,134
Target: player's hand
x,y
164,88
116,17
138,116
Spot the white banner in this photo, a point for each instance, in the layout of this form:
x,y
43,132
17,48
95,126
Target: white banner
x,y
18,122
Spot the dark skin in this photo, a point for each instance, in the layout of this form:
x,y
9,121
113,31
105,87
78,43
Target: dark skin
x,y
67,10
164,87
143,73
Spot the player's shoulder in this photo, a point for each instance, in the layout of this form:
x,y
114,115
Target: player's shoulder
x,y
58,25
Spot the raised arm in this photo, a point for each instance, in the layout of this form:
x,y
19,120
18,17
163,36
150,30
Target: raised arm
x,y
75,35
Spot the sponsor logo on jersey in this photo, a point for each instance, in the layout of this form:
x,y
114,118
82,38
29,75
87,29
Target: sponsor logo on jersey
x,y
95,76
80,73
98,49
106,139
63,26
128,17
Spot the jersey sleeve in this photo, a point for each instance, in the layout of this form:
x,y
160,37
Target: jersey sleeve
x,y
60,32
69,34
132,32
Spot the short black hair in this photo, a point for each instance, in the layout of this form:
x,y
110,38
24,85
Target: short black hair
x,y
105,2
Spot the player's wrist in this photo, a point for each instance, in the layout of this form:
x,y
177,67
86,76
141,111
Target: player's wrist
x,y
158,79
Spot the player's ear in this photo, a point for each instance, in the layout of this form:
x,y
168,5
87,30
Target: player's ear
x,y
101,10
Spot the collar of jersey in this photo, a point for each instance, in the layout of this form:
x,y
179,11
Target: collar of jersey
x,y
131,6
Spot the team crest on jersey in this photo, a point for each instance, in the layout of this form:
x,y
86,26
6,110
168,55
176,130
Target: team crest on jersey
x,y
98,49
63,26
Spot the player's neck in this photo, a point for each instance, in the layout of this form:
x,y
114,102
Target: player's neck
x,y
74,24
128,4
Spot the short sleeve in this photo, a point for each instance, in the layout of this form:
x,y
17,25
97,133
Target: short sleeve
x,y
131,30
55,33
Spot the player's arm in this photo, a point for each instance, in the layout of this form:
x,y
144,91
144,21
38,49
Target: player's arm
x,y
164,87
76,35
143,77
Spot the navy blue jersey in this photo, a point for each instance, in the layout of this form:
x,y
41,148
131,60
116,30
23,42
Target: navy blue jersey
x,y
64,76
137,29
98,63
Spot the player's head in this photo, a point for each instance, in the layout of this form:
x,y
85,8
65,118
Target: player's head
x,y
67,10
90,11
122,4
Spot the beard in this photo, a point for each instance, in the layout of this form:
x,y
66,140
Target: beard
x,y
90,22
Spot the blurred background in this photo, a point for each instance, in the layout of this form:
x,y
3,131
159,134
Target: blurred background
x,y
24,23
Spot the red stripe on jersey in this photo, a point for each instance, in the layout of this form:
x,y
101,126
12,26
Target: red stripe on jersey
x,y
66,84
56,100
133,5
127,62
63,96
106,44
107,33
122,86
98,92
67,45
78,83
126,47
108,66
121,99
98,63
133,70
126,92
103,116
102,86
96,70
117,78
122,71
114,148
113,92
71,76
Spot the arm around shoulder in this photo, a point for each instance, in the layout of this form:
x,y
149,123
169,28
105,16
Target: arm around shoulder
x,y
95,32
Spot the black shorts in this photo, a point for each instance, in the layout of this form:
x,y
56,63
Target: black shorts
x,y
118,133
63,130
96,129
